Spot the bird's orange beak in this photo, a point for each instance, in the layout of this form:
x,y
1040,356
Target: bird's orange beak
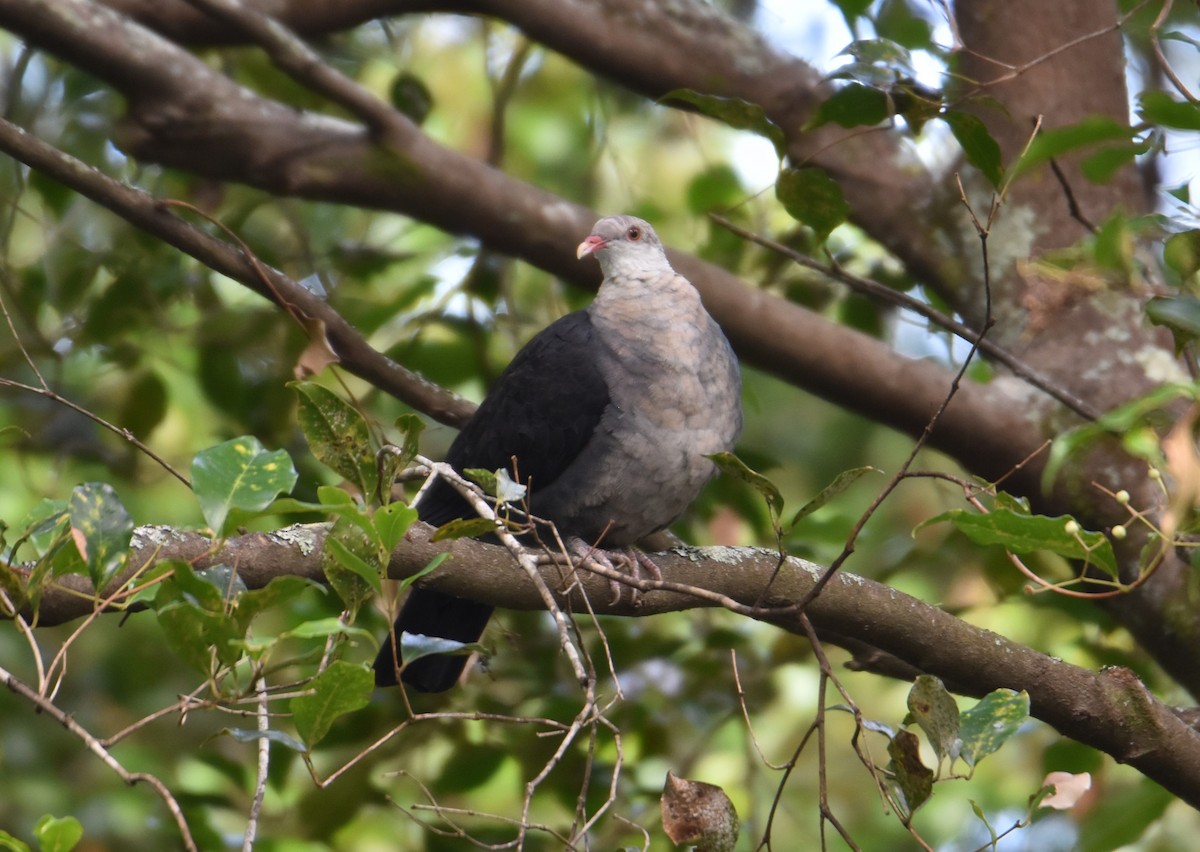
x,y
591,244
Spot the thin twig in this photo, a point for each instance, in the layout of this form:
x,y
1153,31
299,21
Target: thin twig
x,y
525,559
264,763
44,705
1163,64
120,431
883,293
151,215
21,345
1015,71
1072,203
291,55
741,698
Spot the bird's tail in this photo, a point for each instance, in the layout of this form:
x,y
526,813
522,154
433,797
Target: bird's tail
x,y
431,613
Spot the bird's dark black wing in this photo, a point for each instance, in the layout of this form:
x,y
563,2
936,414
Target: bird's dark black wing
x,y
542,410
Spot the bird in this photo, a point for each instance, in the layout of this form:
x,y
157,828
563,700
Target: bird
x,y
607,415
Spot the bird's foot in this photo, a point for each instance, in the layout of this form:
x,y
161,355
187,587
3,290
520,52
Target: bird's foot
x,y
628,561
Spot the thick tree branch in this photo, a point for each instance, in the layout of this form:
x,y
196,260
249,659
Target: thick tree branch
x,y
651,49
1111,711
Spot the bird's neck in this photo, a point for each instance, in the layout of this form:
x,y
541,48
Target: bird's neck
x,y
647,304
619,265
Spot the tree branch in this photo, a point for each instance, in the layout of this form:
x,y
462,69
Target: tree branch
x,y
100,750
314,314
651,49
1111,711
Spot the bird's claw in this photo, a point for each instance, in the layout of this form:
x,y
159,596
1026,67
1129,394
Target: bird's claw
x,y
628,561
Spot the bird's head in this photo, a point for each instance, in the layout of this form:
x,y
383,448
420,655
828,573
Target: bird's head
x,y
624,243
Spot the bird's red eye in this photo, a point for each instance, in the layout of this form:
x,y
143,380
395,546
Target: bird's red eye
x,y
634,233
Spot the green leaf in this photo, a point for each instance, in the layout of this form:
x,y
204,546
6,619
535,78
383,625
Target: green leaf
x,y
1051,144
1113,244
102,530
392,522
186,584
1004,500
253,735
338,435
355,556
228,584
1142,805
349,550
840,483
1179,313
812,198
1022,533
292,506
44,525
464,528
497,483
913,778
978,811
47,528
279,591
411,426
852,10
916,104
7,841
485,479
1133,416
1102,165
991,722
1181,253
411,96
337,500
58,834
716,188
322,628
737,113
239,474
896,20
195,620
342,688
882,51
981,150
437,560
1158,107
853,105
731,465
935,710
414,646
392,461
